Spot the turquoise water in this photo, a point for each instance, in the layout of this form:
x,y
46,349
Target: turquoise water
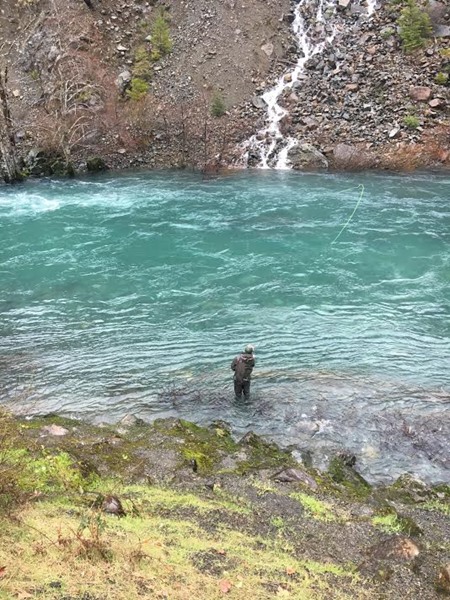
x,y
133,293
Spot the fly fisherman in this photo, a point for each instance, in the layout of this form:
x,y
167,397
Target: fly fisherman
x,y
242,366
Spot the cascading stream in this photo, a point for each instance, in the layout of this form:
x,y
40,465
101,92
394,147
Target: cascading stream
x,y
313,34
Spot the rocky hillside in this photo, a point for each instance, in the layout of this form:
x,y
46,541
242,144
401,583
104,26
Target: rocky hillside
x,y
91,79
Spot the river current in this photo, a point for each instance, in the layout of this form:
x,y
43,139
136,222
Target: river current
x,y
131,294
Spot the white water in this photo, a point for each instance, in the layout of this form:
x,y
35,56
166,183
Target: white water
x,y
269,143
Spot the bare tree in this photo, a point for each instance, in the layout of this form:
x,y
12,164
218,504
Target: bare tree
x,y
8,148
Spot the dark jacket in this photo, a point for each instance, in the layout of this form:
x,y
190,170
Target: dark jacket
x,y
242,366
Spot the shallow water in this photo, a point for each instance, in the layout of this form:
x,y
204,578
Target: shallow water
x,y
133,293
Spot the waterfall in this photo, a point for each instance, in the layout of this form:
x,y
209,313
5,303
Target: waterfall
x,y
312,34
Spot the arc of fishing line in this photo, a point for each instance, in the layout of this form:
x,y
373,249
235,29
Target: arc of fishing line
x,y
351,216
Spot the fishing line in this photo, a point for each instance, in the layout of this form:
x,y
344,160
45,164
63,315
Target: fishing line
x,y
351,216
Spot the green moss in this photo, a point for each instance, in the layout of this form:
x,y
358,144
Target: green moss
x,y
408,490
438,506
317,509
262,455
441,78
387,523
278,522
390,521
353,483
411,121
442,489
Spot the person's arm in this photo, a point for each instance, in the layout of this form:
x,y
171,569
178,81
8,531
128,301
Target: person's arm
x,y
234,363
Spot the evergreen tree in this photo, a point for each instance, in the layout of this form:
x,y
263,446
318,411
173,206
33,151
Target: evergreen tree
x,y
415,26
162,44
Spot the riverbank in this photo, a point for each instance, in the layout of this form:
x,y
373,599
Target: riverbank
x,y
92,90
173,510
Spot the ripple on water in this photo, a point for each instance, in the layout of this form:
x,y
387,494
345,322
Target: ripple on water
x,y
133,293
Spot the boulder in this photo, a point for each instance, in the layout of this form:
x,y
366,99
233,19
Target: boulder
x,y
397,548
341,470
131,421
96,165
123,81
306,157
420,93
409,488
54,429
436,103
441,31
296,476
347,156
258,102
437,11
41,163
268,49
443,580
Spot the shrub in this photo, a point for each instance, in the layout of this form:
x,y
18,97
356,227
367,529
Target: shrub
x,y
138,89
161,41
387,33
142,67
441,78
218,108
415,26
411,121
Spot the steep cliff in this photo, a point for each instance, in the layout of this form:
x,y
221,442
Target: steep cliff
x,y
94,79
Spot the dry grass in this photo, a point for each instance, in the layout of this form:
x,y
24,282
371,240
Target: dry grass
x,y
53,552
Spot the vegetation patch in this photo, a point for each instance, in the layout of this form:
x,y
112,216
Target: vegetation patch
x,y
415,26
411,121
160,36
315,508
152,556
218,108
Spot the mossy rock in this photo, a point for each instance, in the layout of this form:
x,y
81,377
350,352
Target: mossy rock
x,y
45,163
342,472
96,165
409,490
263,455
391,521
442,490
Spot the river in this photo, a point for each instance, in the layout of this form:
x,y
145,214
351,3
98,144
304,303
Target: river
x,y
132,293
